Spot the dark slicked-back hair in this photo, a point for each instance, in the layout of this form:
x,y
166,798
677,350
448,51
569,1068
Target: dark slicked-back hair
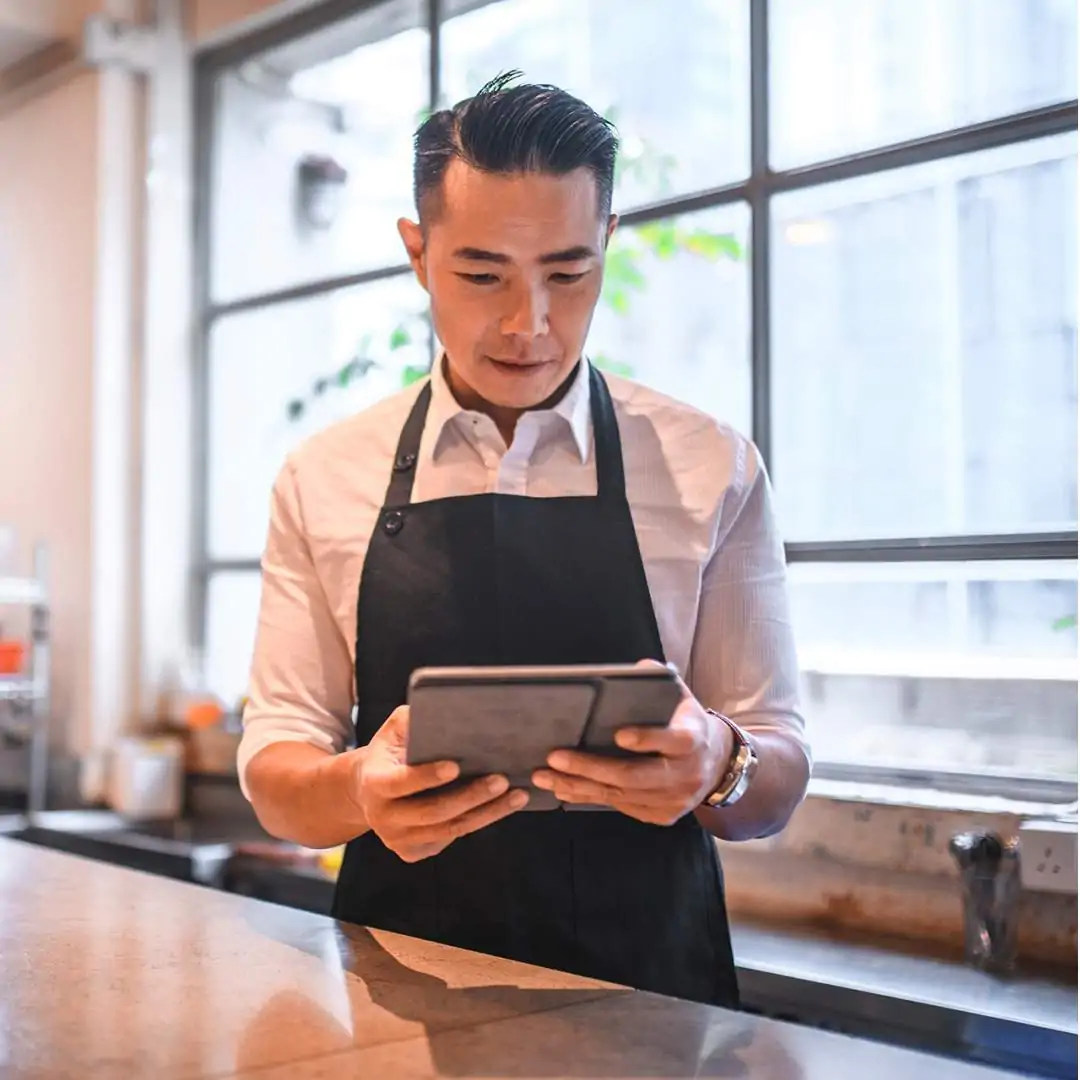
x,y
506,130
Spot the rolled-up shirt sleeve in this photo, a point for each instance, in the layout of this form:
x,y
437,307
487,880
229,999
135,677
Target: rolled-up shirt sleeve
x,y
301,684
743,660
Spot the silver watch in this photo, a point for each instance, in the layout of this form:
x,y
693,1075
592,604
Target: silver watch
x,y
740,770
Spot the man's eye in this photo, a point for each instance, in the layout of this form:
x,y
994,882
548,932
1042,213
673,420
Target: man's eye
x,y
479,279
566,279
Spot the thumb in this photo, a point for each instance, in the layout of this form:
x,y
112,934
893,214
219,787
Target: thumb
x,y
396,727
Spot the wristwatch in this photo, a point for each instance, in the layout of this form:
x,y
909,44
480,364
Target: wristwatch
x,y
740,771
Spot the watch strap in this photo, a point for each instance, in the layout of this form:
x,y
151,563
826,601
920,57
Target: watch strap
x,y
740,769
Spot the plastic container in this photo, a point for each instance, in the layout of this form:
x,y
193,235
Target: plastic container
x,y
146,780
12,656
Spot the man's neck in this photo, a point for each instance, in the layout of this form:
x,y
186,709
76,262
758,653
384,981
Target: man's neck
x,y
505,418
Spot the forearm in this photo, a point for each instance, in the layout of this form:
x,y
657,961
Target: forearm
x,y
302,794
778,788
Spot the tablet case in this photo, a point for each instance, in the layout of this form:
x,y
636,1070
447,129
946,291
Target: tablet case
x,y
496,728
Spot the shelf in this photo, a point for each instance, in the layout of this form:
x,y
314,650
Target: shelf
x,y
23,591
14,689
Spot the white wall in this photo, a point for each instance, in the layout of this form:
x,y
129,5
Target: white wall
x,y
48,247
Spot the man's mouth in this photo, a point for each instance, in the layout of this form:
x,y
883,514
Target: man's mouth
x,y
517,367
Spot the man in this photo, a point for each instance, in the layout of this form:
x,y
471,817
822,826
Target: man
x,y
518,508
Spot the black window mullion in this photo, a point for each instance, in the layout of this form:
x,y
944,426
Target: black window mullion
x,y
1000,547
760,355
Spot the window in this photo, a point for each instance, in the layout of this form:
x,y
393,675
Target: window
x,y
849,229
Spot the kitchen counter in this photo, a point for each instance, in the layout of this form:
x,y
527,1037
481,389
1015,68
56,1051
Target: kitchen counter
x,y
111,973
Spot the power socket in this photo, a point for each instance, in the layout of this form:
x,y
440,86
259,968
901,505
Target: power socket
x,y
1048,856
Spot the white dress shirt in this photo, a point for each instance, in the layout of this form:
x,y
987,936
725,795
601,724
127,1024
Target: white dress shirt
x,y
701,506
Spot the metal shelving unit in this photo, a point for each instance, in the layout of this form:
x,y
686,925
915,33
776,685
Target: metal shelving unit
x,y
25,699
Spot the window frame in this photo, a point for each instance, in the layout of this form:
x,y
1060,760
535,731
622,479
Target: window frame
x,y
756,191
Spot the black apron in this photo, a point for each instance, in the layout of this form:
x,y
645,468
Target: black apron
x,y
510,579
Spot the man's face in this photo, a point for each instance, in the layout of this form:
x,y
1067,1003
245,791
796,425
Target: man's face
x,y
513,266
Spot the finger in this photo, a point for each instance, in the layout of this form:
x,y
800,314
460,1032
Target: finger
x,y
669,742
684,736
423,810
391,781
653,774
577,790
396,727
471,822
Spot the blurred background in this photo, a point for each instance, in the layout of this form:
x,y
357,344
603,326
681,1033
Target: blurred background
x,y
849,229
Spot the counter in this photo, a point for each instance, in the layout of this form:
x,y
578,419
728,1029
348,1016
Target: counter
x,y
112,973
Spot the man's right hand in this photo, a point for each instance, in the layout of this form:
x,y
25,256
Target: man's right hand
x,y
413,825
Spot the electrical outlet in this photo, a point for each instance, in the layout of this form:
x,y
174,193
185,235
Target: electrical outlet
x,y
1048,856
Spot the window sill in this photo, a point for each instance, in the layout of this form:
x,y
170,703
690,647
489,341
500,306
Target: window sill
x,y
929,798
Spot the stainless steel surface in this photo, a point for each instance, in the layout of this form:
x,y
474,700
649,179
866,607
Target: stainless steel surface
x,y
1025,1022
167,980
20,592
13,688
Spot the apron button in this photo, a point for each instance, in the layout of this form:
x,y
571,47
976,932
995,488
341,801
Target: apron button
x,y
394,522
404,463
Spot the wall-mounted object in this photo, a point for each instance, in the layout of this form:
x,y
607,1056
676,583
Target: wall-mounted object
x,y
321,185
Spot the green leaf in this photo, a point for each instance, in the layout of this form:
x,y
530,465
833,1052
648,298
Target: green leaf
x,y
713,246
413,373
661,237
399,338
617,300
622,270
1066,622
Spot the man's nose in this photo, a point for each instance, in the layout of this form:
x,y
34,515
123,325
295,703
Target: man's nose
x,y
528,316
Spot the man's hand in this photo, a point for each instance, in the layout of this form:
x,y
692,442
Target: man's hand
x,y
410,823
694,749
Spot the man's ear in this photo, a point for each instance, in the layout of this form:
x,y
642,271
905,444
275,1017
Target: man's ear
x,y
612,224
412,236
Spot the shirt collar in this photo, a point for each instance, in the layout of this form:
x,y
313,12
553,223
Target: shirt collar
x,y
573,408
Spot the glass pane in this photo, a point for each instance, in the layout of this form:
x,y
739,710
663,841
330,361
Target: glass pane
x,y
958,666
674,313
312,157
924,348
850,75
678,88
232,616
279,374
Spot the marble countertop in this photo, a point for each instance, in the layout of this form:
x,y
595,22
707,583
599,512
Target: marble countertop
x,y
110,973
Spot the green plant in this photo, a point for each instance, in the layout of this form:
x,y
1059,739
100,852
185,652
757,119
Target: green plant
x,y
1066,622
624,275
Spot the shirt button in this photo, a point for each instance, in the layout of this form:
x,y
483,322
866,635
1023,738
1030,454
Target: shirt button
x,y
394,522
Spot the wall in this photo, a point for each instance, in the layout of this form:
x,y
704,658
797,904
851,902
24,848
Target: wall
x,y
48,242
49,18
69,203
862,868
210,21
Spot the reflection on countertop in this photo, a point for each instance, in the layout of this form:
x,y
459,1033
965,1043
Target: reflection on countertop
x,y
112,973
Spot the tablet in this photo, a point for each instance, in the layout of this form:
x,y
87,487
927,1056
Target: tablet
x,y
508,719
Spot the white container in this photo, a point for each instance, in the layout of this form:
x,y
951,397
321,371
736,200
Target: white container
x,y
146,780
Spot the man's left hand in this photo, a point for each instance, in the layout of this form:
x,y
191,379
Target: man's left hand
x,y
693,751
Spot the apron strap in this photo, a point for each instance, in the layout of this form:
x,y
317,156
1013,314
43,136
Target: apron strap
x,y
610,476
